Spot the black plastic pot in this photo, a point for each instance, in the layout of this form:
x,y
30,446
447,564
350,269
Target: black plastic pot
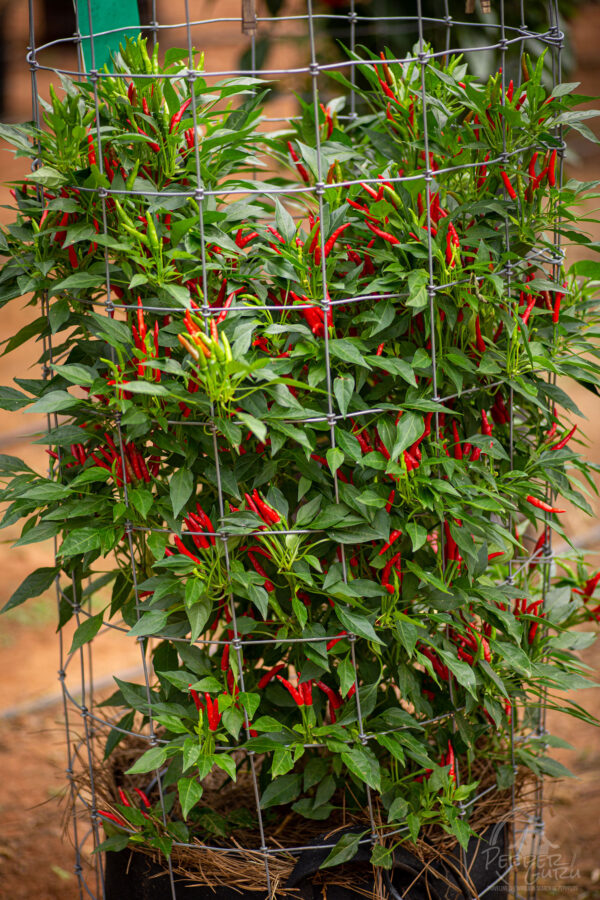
x,y
134,877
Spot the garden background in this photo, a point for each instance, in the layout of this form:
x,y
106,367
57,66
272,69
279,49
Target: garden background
x,y
36,858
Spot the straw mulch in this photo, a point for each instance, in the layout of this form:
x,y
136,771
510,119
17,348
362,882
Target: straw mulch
x,y
243,867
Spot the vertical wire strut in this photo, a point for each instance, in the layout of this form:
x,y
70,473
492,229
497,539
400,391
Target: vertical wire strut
x,y
52,421
327,312
556,43
221,536
109,308
431,291
508,288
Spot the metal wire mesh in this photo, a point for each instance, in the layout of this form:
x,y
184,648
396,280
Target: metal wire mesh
x,y
86,726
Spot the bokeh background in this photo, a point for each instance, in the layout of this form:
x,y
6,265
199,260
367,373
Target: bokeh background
x,y
36,858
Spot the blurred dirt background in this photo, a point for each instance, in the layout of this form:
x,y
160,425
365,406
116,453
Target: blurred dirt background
x,y
36,855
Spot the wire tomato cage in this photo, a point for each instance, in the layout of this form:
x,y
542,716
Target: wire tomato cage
x,y
313,32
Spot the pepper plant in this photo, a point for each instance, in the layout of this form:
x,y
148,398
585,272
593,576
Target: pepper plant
x,y
307,430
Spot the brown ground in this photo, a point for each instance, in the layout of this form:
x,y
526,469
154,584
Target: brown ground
x,y
36,861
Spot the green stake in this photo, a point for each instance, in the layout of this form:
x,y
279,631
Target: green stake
x,y
119,17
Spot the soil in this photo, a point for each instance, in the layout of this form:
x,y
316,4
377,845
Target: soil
x,y
36,854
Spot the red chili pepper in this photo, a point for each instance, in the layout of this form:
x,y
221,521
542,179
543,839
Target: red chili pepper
x,y
194,524
301,169
73,257
452,244
247,239
268,584
589,587
113,818
145,107
196,698
541,504
537,550
492,556
305,689
176,118
552,169
480,343
390,500
486,427
382,234
362,438
296,695
458,454
331,644
132,93
564,441
387,572
143,797
439,668
482,173
451,548
267,513
212,709
558,296
532,163
189,138
91,150
140,319
331,241
226,305
394,535
335,701
530,304
509,188
183,549
268,676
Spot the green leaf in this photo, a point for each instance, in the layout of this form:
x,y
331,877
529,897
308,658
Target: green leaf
x,y
346,350
79,281
382,856
364,764
284,222
11,399
146,387
180,489
83,540
343,388
268,724
345,849
335,458
190,792
76,374
34,585
282,761
257,427
409,428
353,621
88,629
151,760
48,176
284,789
462,670
54,401
198,615
417,289
398,810
417,534
151,622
